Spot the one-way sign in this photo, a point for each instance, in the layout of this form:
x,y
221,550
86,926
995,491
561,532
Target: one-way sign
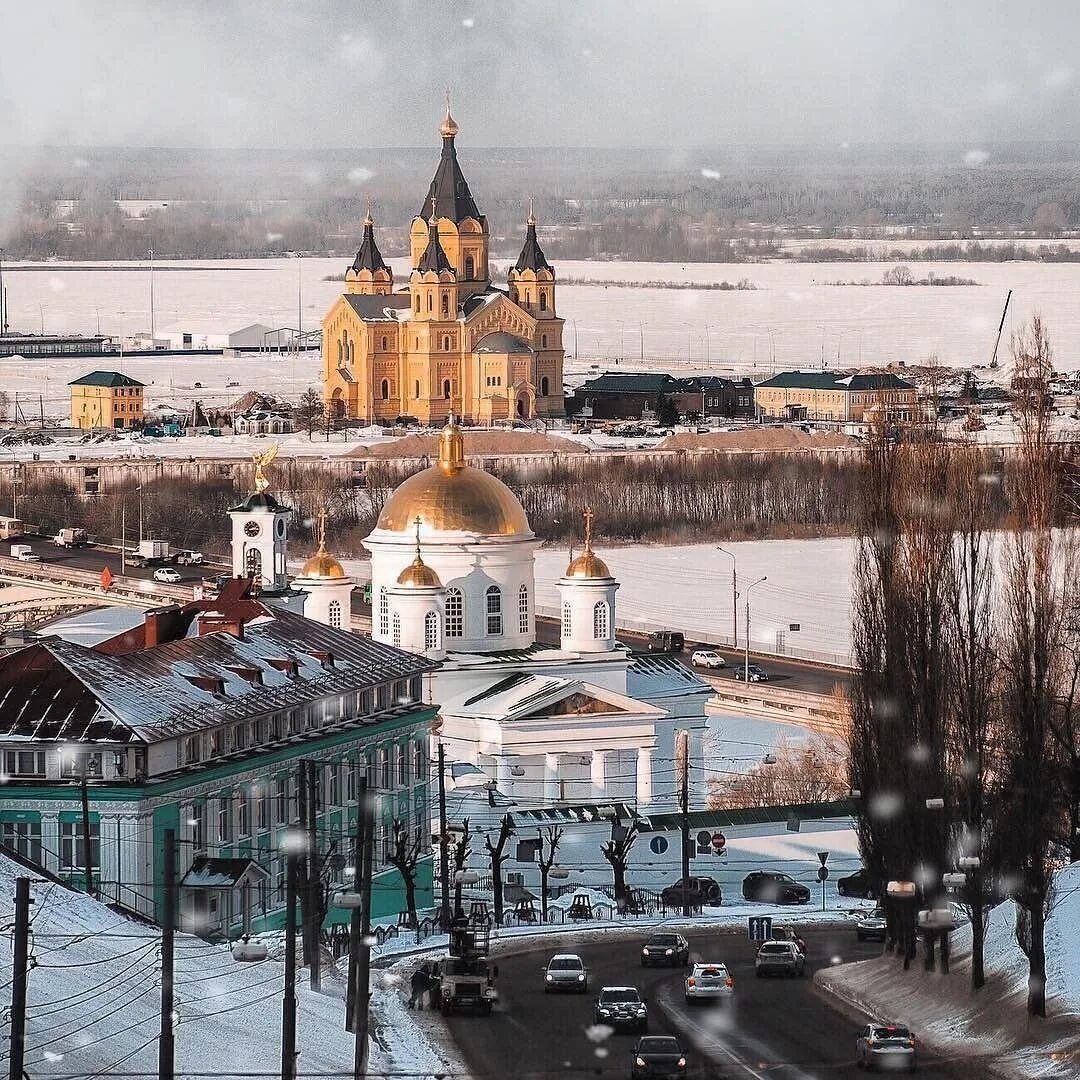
x,y
759,927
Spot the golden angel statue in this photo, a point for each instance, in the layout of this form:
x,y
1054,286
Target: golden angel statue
x,y
261,462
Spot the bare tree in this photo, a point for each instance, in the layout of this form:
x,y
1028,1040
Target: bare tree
x,y
404,856
550,838
460,855
809,772
617,852
497,854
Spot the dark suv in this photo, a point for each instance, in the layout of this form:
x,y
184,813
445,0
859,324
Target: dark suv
x,y
858,884
698,890
665,950
774,888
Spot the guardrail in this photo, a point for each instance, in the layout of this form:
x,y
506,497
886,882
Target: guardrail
x,y
142,590
823,713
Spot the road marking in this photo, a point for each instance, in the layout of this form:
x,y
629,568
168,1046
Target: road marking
x,y
708,1042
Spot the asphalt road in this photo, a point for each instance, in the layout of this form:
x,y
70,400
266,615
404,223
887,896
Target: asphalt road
x,y
780,1028
96,559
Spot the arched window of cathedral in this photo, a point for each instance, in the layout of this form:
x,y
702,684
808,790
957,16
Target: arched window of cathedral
x,y
543,341
416,303
340,357
430,302
493,608
446,344
384,612
544,386
397,629
333,613
600,620
253,564
528,297
416,389
567,621
384,344
455,613
386,389
446,303
431,630
543,300
523,609
446,389
470,267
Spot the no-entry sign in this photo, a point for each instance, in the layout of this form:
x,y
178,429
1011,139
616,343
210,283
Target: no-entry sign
x,y
719,841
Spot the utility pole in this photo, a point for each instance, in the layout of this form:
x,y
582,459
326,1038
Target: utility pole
x,y
3,307
166,1046
86,846
314,875
734,597
123,537
360,942
153,346
302,813
746,651
444,853
684,814
355,920
17,1040
288,1004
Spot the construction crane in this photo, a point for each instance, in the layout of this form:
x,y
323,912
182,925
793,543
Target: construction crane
x,y
1001,326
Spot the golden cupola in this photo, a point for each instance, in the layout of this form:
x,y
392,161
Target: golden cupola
x,y
588,564
452,497
418,575
322,566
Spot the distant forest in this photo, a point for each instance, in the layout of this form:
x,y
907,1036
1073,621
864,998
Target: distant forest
x,y
595,204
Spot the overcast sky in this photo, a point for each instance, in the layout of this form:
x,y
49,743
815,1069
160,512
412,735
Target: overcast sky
x,y
369,73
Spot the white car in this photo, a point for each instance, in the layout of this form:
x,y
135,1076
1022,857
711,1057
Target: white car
x,y
891,1046
707,658
709,982
566,971
168,575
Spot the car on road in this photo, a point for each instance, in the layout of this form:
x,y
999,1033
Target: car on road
x,y
566,971
890,1046
187,557
658,1056
779,958
709,982
698,890
622,1007
871,926
859,885
168,575
756,674
666,641
707,658
774,888
665,950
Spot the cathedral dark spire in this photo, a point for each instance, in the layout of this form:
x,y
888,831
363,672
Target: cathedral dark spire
x,y
434,259
369,257
449,185
532,256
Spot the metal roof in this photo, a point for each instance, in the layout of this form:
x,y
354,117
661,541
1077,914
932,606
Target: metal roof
x,y
831,380
106,378
453,199
379,308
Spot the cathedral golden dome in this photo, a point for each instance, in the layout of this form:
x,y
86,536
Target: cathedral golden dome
x,y
588,564
451,496
418,575
448,128
322,565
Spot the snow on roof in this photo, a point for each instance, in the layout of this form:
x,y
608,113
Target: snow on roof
x,y
655,676
99,624
209,873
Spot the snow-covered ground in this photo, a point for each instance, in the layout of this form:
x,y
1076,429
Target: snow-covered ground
x,y
943,1012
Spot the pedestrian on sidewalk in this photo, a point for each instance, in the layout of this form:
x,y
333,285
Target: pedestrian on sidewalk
x,y
418,985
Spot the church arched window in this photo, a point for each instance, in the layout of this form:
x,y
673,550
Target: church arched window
x,y
431,630
384,612
386,389
430,302
446,303
333,614
523,609
416,389
470,267
446,344
567,621
600,620
543,300
416,303
528,297
543,341
340,355
446,389
397,628
493,609
384,344
455,613
544,386
253,564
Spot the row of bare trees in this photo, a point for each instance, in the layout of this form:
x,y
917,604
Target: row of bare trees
x,y
964,710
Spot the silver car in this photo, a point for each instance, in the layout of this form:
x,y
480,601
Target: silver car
x,y
885,1046
779,958
709,982
871,926
566,971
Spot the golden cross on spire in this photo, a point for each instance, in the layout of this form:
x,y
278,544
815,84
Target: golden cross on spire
x,y
417,523
532,216
588,528
322,528
446,94
434,210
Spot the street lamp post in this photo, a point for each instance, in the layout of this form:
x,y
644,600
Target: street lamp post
x,y
734,597
746,653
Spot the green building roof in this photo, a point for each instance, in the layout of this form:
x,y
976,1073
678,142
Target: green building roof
x,y
106,378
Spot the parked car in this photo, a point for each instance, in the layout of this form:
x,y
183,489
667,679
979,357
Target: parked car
x,y
871,926
859,884
888,1045
665,950
774,888
622,1007
779,958
168,575
698,890
707,658
755,673
658,1056
566,971
709,982
666,641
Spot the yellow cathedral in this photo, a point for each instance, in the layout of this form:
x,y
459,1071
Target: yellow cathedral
x,y
451,342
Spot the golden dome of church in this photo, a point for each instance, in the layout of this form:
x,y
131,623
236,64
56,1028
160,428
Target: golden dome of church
x,y
322,565
451,496
588,564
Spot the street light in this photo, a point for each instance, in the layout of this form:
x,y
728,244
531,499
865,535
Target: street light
x,y
734,596
746,654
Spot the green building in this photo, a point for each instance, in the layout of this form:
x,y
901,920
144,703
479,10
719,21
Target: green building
x,y
198,720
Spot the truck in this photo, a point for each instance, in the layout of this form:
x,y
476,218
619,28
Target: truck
x,y
150,553
466,975
186,557
71,538
11,527
24,553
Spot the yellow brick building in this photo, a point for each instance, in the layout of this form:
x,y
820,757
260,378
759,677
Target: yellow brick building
x,y
106,399
822,395
450,341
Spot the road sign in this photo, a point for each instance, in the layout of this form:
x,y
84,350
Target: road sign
x,y
719,842
823,873
759,927
704,842
658,845
823,857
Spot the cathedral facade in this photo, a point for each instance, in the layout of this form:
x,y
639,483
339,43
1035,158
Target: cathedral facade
x,y
449,342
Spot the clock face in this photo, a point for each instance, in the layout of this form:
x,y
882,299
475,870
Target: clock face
x,y
281,527
252,528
